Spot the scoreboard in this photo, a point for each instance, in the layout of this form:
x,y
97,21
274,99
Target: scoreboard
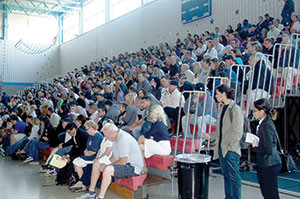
x,y
192,10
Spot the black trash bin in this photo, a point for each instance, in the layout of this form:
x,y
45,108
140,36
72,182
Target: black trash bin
x,y
193,173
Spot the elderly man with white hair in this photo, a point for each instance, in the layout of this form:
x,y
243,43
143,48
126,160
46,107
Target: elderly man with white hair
x,y
185,68
126,161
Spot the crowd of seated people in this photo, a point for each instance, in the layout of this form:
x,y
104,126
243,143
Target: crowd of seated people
x,y
93,113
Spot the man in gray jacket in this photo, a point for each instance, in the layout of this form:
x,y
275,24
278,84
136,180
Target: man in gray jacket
x,y
143,83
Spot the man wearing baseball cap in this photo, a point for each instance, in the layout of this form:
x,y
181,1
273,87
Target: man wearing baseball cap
x,y
173,101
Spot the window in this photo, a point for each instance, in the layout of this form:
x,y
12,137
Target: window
x,y
1,26
121,7
71,26
32,29
146,1
93,14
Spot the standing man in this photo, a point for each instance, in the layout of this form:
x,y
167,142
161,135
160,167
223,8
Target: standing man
x,y
287,11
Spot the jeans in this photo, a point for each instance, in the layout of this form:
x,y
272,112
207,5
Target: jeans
x,y
32,148
231,173
174,114
64,151
60,152
267,178
5,142
18,145
207,119
86,177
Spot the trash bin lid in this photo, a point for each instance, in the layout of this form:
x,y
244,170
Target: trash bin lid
x,y
193,158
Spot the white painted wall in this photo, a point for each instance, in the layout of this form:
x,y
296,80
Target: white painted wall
x,y
22,67
157,22
19,67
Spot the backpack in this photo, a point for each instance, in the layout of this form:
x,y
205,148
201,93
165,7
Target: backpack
x,y
246,129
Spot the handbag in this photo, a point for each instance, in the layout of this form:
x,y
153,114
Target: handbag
x,y
288,164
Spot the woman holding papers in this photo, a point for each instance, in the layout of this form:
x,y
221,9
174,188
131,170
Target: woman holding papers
x,y
267,156
92,146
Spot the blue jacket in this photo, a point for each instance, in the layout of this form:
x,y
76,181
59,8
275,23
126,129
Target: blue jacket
x,y
124,88
159,131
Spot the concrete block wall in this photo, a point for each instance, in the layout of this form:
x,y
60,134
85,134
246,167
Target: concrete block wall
x,y
158,21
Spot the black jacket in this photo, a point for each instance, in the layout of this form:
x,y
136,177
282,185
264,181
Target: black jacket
x,y
288,9
266,153
78,144
50,134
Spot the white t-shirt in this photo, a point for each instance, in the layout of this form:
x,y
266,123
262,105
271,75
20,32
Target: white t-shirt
x,y
127,146
104,145
67,137
212,54
201,50
94,116
296,26
173,99
34,132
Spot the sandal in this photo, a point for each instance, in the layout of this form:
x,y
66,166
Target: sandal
x,y
74,189
83,189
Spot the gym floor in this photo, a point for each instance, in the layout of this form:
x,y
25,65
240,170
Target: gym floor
x,y
19,180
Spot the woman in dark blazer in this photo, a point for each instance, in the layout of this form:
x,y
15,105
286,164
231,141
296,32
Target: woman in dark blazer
x,y
267,156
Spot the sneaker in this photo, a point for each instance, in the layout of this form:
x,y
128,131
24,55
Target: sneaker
x,y
2,151
29,159
87,195
34,162
44,168
50,173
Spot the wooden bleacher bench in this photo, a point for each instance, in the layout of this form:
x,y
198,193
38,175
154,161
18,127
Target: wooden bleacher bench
x,y
188,144
126,187
160,162
158,170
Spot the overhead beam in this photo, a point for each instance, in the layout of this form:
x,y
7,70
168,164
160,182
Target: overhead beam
x,y
21,7
28,9
49,4
23,14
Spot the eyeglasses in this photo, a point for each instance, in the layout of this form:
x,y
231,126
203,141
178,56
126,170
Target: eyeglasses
x,y
255,110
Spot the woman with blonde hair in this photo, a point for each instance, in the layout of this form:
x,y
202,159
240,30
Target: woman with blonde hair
x,y
197,71
35,129
32,110
156,141
92,146
130,99
130,118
